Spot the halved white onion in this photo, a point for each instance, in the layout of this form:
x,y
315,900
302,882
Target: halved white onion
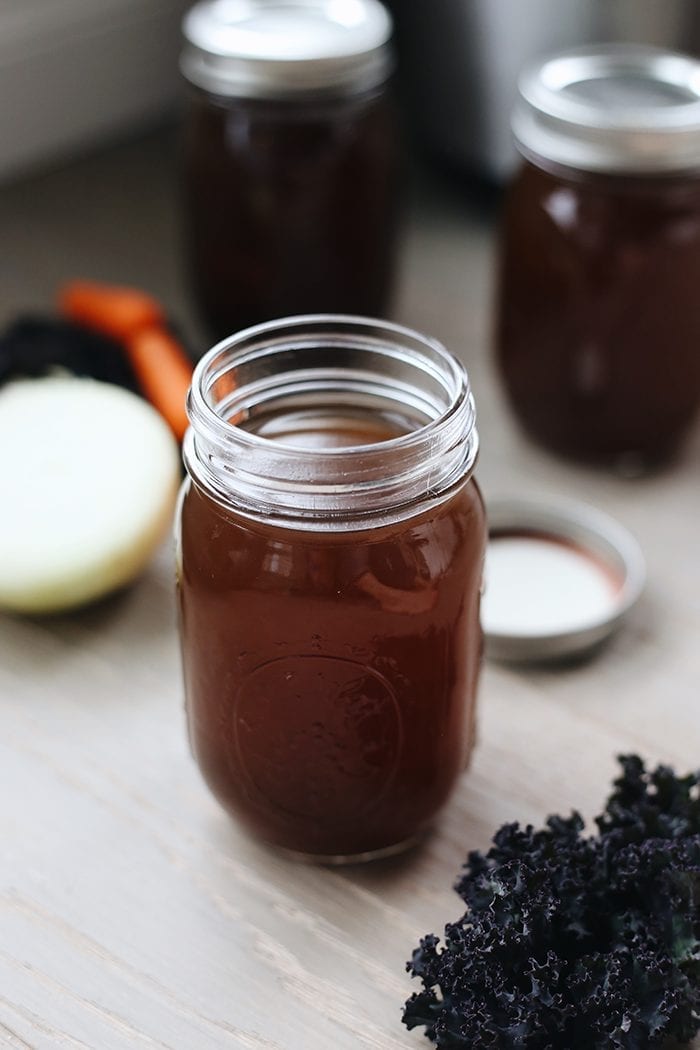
x,y
89,474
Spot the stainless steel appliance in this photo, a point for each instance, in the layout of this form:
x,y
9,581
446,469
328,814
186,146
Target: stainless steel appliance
x,y
460,59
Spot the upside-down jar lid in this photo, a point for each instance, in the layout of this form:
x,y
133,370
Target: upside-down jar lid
x,y
281,48
560,577
612,108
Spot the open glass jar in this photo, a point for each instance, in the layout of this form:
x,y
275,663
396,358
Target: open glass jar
x,y
291,160
330,555
598,314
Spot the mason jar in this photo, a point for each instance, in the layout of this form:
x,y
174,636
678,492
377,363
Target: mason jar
x,y
598,312
330,555
291,195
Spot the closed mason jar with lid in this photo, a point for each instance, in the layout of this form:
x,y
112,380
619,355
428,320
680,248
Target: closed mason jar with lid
x,y
330,553
291,159
598,311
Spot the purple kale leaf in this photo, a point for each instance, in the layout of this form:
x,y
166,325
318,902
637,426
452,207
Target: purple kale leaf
x,y
574,942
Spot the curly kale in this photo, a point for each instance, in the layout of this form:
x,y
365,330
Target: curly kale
x,y
572,942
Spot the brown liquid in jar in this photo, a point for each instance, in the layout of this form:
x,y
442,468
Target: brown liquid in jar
x,y
291,207
331,676
599,311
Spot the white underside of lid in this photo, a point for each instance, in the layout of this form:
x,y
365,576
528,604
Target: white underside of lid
x,y
536,586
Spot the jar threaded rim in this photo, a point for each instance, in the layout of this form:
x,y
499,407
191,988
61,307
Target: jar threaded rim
x,y
320,359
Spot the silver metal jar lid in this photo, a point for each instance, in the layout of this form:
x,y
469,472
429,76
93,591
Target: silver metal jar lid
x,y
281,48
612,108
560,577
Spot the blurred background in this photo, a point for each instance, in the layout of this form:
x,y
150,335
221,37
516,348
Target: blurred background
x,y
75,73
460,61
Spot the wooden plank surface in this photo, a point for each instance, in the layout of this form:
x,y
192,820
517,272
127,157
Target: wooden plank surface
x,y
133,914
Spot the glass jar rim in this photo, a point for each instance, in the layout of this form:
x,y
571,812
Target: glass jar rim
x,y
394,477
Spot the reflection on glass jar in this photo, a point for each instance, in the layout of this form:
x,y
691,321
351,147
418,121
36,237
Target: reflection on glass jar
x,y
332,544
291,161
598,315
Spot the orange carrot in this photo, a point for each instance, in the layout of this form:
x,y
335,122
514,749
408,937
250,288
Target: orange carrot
x,y
163,371
110,309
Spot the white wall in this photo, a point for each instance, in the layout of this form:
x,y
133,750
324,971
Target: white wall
x,y
75,71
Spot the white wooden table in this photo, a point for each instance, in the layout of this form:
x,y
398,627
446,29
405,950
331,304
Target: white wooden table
x,y
133,913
